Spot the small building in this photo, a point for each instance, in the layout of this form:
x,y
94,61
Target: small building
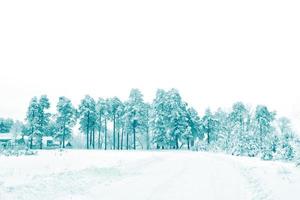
x,y
9,139
50,142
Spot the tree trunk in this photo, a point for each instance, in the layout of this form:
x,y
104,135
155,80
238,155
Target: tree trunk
x,y
122,133
148,138
188,144
63,137
93,138
118,138
31,138
99,132
87,139
134,147
30,143
208,138
176,143
87,131
114,132
105,134
127,140
41,142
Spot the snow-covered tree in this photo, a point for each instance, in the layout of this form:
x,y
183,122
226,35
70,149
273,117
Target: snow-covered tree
x,y
147,125
209,127
223,130
5,125
87,119
194,122
178,127
265,131
114,109
43,118
65,119
38,119
239,125
285,141
134,114
172,123
101,115
120,124
158,117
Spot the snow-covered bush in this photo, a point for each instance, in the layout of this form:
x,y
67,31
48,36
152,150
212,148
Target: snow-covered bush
x,y
17,152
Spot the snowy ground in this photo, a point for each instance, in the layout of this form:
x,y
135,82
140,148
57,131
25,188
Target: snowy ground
x,y
86,175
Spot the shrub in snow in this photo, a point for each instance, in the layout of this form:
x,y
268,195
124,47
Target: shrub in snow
x,y
17,152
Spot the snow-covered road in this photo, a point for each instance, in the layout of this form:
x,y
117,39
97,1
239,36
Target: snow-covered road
x,y
86,175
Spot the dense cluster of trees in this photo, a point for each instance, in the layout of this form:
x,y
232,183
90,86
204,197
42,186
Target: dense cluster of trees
x,y
167,123
5,125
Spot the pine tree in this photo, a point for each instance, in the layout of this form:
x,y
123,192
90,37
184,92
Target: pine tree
x,y
265,130
134,114
114,105
65,120
223,130
38,119
87,119
194,123
43,118
120,124
239,128
147,125
101,109
177,121
158,117
285,141
209,127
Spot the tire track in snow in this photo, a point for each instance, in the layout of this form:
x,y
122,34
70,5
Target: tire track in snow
x,y
254,184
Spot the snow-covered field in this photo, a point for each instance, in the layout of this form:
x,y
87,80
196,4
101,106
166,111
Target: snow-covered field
x,y
82,175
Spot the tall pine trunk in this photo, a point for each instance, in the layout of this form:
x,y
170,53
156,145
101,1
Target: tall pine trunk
x,y
148,138
122,133
105,134
114,132
41,142
87,131
63,139
87,138
31,138
93,138
134,140
208,137
118,139
99,132
127,140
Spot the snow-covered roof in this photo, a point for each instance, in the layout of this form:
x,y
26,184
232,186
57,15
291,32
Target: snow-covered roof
x,y
47,138
5,136
9,136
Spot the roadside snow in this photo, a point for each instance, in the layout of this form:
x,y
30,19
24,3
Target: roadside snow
x,y
81,174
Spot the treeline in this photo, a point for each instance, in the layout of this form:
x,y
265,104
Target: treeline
x,y
166,123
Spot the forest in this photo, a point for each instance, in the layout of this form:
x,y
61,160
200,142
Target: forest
x,y
164,124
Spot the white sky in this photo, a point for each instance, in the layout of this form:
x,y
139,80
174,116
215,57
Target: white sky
x,y
215,52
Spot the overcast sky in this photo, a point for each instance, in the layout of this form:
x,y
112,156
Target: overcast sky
x,y
214,52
